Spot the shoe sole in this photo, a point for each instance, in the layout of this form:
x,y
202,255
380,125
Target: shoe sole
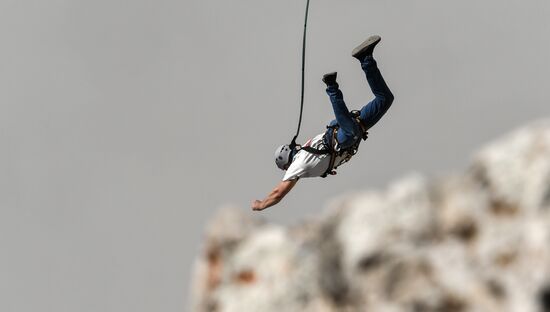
x,y
372,40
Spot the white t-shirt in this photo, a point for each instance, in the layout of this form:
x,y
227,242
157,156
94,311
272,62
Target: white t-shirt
x,y
308,165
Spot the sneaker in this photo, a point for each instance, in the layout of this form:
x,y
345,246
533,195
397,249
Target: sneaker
x,y
365,49
330,78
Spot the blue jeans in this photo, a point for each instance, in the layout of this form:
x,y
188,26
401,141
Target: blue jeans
x,y
350,131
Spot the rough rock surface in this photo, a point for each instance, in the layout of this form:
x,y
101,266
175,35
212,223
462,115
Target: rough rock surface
x,y
476,241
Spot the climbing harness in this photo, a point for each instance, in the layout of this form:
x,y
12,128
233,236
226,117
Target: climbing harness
x,y
329,145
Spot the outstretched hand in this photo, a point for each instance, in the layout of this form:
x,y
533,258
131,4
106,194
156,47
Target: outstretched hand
x,y
275,196
257,205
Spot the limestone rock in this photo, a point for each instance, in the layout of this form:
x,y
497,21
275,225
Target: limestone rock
x,y
476,241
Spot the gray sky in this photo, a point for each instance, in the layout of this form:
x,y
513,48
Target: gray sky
x,y
124,125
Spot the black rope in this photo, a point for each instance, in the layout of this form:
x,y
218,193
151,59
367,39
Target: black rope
x,y
293,144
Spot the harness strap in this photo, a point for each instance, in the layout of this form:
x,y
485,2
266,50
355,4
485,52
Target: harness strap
x,y
363,128
333,153
330,168
356,114
315,151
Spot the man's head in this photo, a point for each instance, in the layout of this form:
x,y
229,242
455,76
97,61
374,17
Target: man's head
x,y
283,156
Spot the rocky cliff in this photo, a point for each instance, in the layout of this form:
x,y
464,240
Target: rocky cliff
x,y
475,241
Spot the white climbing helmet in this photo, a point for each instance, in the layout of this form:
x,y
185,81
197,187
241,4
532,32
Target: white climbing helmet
x,y
283,156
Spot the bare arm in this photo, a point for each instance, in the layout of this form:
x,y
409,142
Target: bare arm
x,y
275,196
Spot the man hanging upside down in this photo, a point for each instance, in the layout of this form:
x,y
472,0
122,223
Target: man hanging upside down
x,y
321,155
